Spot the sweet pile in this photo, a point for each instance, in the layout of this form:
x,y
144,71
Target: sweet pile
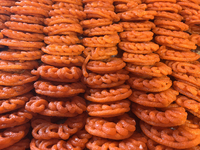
x,y
22,32
106,78
175,50
60,111
134,61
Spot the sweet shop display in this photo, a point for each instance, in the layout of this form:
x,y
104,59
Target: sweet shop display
x,y
99,74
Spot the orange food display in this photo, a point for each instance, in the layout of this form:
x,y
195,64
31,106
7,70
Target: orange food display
x,y
62,131
108,95
77,141
159,99
159,69
117,128
173,115
150,85
108,109
12,135
59,89
189,132
63,107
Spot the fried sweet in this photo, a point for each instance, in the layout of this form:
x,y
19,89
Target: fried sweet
x,y
14,65
21,36
102,41
139,48
63,61
65,107
20,55
159,69
173,55
136,36
99,4
100,53
108,95
29,11
66,50
17,118
62,40
27,19
8,92
188,12
158,100
46,2
189,104
116,2
164,6
63,131
137,15
195,81
16,43
141,59
125,7
106,80
77,141
187,90
192,20
14,103
175,43
189,68
77,2
63,74
60,19
152,145
13,135
5,10
171,25
63,28
137,26
101,13
117,128
7,3
4,18
92,23
180,137
168,16
59,89
34,4
106,1
153,1
136,141
2,25
16,78
111,109
58,5
189,5
21,145
195,38
103,30
110,66
150,85
172,115
194,29
165,32
68,13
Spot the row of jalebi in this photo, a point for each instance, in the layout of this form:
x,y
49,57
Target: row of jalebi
x,y
99,57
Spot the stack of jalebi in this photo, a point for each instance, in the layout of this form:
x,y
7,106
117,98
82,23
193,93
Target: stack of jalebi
x,y
4,14
170,127
191,14
105,77
22,33
59,109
